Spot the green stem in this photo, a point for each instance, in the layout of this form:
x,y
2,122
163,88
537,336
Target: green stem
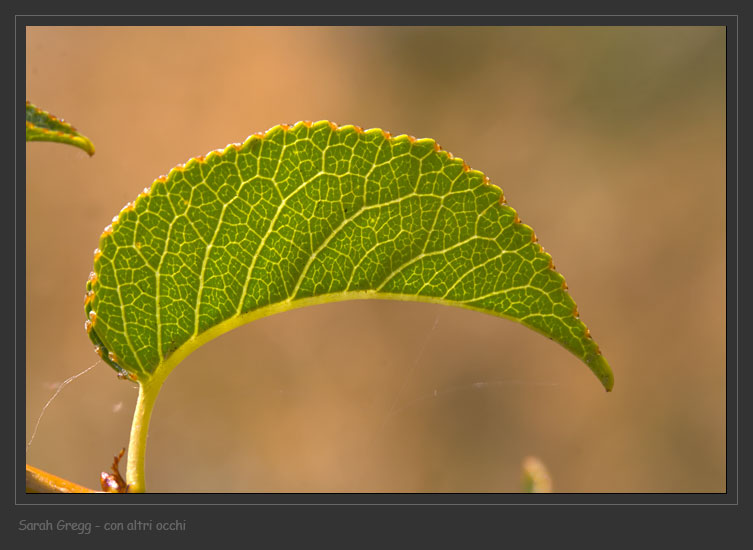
x,y
148,393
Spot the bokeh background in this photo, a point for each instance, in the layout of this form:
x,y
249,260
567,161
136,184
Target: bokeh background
x,y
608,141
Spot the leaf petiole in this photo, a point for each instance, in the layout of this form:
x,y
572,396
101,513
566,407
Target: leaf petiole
x,y
148,392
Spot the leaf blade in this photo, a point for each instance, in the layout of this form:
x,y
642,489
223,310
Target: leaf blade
x,y
309,214
43,126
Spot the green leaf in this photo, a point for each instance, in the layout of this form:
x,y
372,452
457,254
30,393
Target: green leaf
x,y
310,214
536,478
42,126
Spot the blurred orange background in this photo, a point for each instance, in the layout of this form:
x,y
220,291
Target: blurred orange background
x,y
608,141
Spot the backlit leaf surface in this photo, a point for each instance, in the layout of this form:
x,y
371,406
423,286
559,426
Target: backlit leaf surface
x,y
311,214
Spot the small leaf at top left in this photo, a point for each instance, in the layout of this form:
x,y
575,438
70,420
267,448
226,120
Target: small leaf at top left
x,y
42,126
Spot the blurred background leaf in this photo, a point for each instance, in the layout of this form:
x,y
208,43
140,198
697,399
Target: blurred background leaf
x,y
536,478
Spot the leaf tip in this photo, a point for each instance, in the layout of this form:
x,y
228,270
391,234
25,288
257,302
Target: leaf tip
x,y
85,144
607,379
599,366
